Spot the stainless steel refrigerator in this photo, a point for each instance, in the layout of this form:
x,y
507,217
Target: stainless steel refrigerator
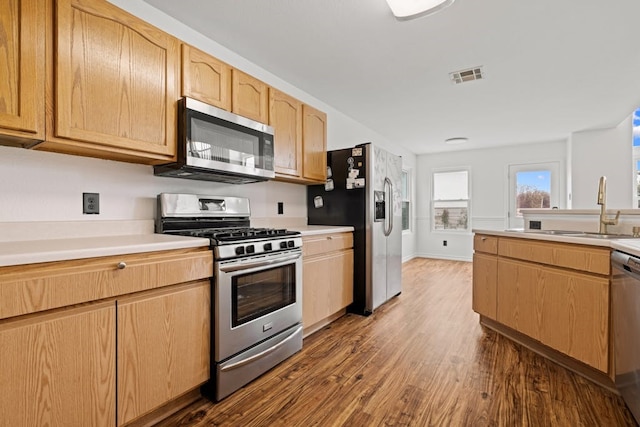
x,y
363,190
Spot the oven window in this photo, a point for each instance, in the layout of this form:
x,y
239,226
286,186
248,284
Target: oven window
x,y
262,292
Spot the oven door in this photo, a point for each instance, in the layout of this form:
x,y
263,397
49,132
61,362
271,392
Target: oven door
x,y
255,298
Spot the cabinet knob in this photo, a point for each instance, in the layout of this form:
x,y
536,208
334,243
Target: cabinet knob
x,y
122,265
329,237
483,238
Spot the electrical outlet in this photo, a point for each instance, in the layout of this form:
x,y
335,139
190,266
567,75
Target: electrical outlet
x,y
535,225
90,203
444,243
280,208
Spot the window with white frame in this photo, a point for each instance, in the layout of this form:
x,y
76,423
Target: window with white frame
x,y
450,200
406,200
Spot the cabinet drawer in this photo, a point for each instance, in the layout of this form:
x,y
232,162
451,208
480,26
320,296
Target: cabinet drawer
x,y
487,244
37,287
313,245
577,257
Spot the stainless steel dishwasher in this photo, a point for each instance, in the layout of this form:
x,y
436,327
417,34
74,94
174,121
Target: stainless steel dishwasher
x,y
625,294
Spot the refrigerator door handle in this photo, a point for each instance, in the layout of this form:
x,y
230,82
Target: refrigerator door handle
x,y
387,182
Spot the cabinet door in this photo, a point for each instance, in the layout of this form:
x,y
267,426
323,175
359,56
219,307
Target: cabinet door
x,y
250,97
285,115
59,369
205,78
314,144
116,81
22,38
485,282
575,315
341,281
327,285
517,297
163,347
566,311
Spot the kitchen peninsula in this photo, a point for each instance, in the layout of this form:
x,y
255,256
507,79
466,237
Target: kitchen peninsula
x,y
550,291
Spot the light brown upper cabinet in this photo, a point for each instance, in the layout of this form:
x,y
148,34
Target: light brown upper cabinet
x,y
300,139
285,115
116,81
250,96
22,76
205,78
314,144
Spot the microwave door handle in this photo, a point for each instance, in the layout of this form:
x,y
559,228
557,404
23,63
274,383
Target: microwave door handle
x,y
232,268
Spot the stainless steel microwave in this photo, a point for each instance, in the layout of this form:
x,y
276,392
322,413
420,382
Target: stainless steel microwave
x,y
216,145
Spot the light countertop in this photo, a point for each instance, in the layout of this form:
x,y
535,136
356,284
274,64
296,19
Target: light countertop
x,y
35,251
628,245
57,248
310,230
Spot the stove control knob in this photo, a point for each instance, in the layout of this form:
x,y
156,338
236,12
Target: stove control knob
x,y
250,249
268,247
283,245
240,250
290,243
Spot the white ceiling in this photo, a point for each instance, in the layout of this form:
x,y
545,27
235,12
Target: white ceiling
x,y
552,67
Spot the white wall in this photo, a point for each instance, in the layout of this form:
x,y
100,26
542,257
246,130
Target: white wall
x,y
40,186
603,152
489,192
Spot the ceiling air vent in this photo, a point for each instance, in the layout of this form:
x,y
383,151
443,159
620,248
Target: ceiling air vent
x,y
467,75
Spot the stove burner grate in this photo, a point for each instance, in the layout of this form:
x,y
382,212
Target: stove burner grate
x,y
239,234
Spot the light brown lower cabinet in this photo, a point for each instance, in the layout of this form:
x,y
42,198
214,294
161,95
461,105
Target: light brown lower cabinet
x,y
58,369
554,293
163,347
327,278
140,321
565,310
485,278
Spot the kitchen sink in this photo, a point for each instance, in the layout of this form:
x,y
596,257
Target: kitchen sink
x,y
557,232
604,236
587,234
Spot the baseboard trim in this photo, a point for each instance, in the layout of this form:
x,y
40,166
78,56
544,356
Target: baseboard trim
x,y
444,257
409,258
166,410
322,323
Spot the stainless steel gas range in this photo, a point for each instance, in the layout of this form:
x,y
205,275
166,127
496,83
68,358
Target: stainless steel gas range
x,y
256,319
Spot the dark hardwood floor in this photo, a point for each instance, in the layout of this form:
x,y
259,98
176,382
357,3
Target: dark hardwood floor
x,y
420,360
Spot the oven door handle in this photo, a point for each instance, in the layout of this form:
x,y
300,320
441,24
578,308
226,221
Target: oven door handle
x,y
234,267
262,353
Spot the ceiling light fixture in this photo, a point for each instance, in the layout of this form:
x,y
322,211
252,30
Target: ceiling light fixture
x,y
456,140
410,9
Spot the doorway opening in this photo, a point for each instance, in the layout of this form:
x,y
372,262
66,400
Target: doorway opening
x,y
531,186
